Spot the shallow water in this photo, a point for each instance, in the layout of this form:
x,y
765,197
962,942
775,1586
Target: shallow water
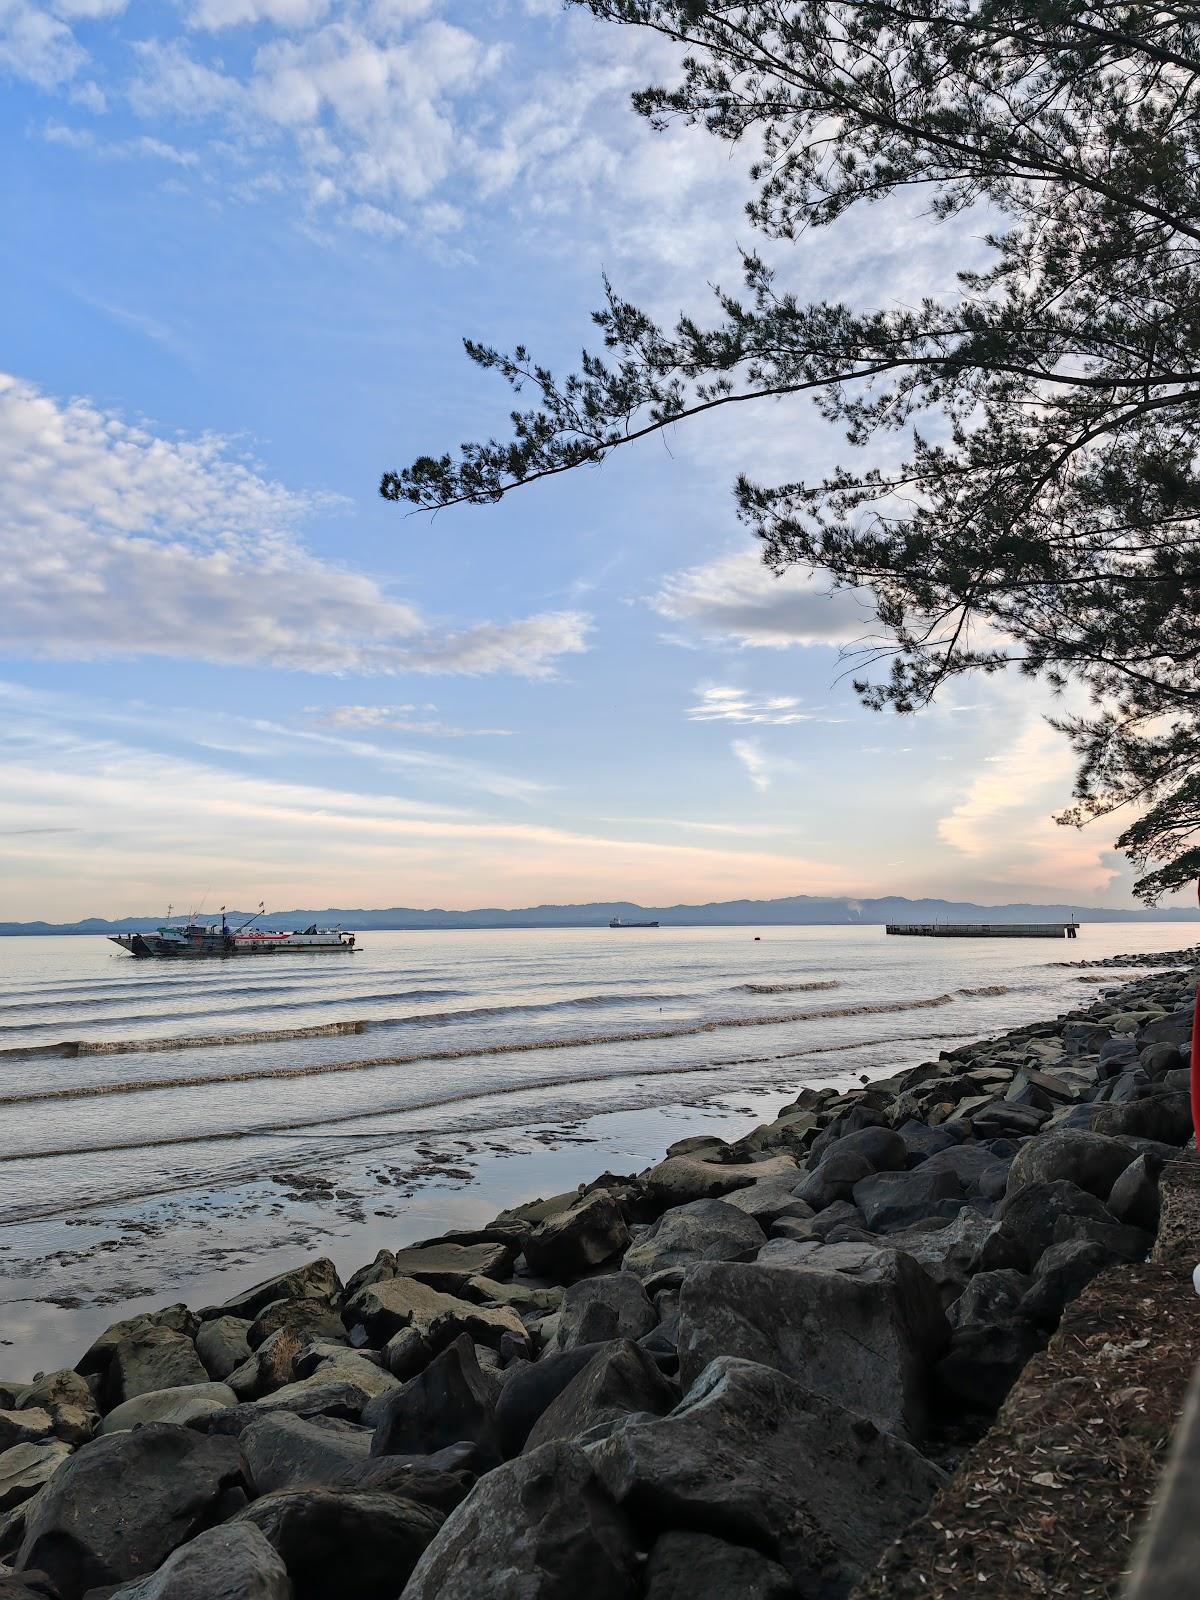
x,y
138,1112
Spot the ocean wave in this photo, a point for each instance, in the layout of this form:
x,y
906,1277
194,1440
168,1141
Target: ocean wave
x,y
984,990
790,988
369,1063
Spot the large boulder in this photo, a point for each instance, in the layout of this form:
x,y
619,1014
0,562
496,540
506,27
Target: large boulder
x,y
694,1566
385,1307
989,1297
683,1178
769,1200
949,1253
451,1399
30,1426
1091,1161
452,1266
531,1387
983,1362
1164,1117
597,1309
572,1242
315,1280
169,1405
855,1325
24,1468
155,1357
541,1527
344,1542
95,1359
1134,1198
222,1345
893,1200
69,1400
1062,1274
752,1457
234,1562
619,1379
835,1177
284,1451
1030,1216
119,1507
704,1230
307,1319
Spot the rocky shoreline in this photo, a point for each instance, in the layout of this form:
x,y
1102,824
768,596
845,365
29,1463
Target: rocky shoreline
x,y
745,1371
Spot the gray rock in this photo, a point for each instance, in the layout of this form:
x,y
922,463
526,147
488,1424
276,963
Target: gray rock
x,y
1003,1117
1122,1242
841,1214
286,1452
983,1363
989,1297
234,1562
597,1309
1156,1060
30,1426
855,1325
1062,1274
619,1379
769,1200
520,1297
570,1243
169,1405
1164,1117
683,1178
542,1527
835,1177
753,1457
884,1148
406,1353
704,1230
153,1358
451,1267
531,1388
69,1400
119,1507
921,1141
976,1167
1134,1197
268,1368
948,1254
450,1400
385,1307
893,1200
344,1542
177,1318
1031,1214
315,1280
695,1566
1089,1160
307,1319
24,1468
222,1345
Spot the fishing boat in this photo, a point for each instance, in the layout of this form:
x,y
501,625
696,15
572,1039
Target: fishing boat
x,y
194,940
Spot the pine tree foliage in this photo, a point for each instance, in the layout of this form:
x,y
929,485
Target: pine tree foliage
x,y
1046,516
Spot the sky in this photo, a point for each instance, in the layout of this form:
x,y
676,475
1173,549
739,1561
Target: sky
x,y
243,241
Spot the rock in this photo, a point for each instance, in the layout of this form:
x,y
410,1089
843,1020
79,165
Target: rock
x,y
449,1401
752,1457
69,1400
234,1562
169,1405
30,1426
176,1318
983,1363
24,1468
1134,1197
846,1122
152,1358
268,1368
531,1388
451,1267
520,1297
989,1297
1062,1274
681,1179
893,1200
703,1230
307,1319
394,1303
842,1213
383,1266
343,1542
855,1325
597,1309
315,1280
572,1242
1030,1215
1165,1117
1156,1060
26,1586
1003,1117
1089,1160
836,1176
1122,1243
976,1166
619,1379
694,1566
222,1345
1175,1029
119,1507
541,1527
318,1396
406,1353
769,1200
286,1452
441,1480
884,1148
948,1254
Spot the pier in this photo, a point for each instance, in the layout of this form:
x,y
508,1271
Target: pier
x,y
987,930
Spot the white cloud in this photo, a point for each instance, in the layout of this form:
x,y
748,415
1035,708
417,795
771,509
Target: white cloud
x,y
214,15
749,752
402,719
36,45
719,704
736,597
115,541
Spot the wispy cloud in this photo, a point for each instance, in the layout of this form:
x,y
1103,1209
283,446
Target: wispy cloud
x,y
401,719
719,704
749,752
119,541
736,597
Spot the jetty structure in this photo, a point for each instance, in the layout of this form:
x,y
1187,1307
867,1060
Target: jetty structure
x,y
986,930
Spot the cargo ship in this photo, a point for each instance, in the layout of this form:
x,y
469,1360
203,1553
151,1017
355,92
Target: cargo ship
x,y
617,923
193,940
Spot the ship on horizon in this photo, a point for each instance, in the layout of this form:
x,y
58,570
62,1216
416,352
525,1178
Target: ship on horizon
x,y
617,923
196,940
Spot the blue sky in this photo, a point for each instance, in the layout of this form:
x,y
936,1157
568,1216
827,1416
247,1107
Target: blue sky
x,y
243,239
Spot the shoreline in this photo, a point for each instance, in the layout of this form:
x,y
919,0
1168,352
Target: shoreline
x,y
613,1343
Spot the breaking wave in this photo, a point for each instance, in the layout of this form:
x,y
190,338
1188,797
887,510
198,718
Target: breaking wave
x,y
790,988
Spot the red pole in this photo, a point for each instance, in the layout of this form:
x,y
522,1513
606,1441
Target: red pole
x,y
1196,1059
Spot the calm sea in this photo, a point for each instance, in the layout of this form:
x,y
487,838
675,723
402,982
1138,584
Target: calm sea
x,y
474,1048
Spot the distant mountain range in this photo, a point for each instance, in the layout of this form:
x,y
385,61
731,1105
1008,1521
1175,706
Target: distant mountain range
x,y
799,909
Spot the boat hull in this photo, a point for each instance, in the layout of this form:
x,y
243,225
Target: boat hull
x,y
149,946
